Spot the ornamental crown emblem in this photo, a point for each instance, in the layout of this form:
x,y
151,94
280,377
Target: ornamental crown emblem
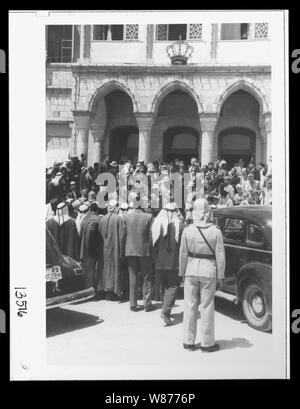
x,y
179,52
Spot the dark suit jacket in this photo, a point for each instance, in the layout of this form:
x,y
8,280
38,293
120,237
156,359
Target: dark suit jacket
x,y
137,235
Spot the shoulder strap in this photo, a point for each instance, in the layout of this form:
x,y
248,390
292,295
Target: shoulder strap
x,y
209,246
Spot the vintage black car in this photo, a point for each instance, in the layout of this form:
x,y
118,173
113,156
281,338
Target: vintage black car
x,y
247,234
66,280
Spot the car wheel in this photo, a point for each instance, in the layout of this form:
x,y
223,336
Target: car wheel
x,y
255,308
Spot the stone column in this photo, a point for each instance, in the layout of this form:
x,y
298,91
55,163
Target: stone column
x,y
144,121
150,39
81,46
98,137
263,138
98,151
268,124
214,41
82,123
208,123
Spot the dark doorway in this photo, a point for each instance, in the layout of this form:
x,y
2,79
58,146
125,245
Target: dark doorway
x,y
180,142
237,143
123,143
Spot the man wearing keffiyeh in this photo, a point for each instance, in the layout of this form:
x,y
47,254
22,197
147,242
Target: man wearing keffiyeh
x,y
111,228
166,234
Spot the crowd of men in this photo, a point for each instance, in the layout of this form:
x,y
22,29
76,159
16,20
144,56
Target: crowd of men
x,y
242,184
133,250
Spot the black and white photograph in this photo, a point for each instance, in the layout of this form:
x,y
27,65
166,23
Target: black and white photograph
x,y
153,246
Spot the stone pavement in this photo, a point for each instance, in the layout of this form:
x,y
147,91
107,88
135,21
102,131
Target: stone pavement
x,y
108,334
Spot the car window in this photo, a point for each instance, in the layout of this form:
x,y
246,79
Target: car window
x,y
53,253
255,236
233,230
50,254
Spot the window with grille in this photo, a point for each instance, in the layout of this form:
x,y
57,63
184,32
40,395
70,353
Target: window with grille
x,y
132,31
195,32
162,32
172,32
116,32
261,30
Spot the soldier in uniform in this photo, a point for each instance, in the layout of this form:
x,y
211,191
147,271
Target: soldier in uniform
x,y
202,264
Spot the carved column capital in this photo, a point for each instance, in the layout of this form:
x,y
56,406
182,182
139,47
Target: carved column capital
x,y
82,119
268,121
208,121
144,120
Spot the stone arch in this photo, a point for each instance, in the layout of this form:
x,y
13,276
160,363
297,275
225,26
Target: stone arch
x,y
176,122
248,86
121,121
166,89
106,88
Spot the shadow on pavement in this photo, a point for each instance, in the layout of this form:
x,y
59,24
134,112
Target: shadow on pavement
x,y
60,321
229,344
234,343
229,309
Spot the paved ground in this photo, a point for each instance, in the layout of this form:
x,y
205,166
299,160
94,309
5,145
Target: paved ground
x,y
107,333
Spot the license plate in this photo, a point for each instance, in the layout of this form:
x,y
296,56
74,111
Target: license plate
x,y
53,273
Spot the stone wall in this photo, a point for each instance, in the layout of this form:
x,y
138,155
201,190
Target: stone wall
x,y
206,90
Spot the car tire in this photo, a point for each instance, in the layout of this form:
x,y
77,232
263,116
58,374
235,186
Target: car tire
x,y
255,308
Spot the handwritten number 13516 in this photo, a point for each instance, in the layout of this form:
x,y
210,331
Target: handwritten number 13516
x,y
20,293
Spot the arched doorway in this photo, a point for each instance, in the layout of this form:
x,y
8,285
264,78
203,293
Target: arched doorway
x,y
176,128
237,143
180,142
238,132
122,130
124,142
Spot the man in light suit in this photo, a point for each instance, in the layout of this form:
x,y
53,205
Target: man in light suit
x,y
202,264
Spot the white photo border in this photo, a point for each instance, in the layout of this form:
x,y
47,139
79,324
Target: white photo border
x,y
27,127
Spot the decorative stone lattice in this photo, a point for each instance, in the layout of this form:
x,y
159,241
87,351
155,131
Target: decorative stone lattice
x,y
162,32
195,32
132,32
261,30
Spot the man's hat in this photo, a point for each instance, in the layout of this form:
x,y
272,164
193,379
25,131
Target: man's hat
x,y
124,206
114,164
189,206
83,208
171,207
61,205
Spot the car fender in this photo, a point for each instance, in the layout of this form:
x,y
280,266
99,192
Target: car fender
x,y
261,273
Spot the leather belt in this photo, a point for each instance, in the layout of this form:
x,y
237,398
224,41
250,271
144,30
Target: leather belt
x,y
205,256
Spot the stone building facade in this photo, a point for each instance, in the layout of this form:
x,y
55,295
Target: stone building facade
x,y
113,90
